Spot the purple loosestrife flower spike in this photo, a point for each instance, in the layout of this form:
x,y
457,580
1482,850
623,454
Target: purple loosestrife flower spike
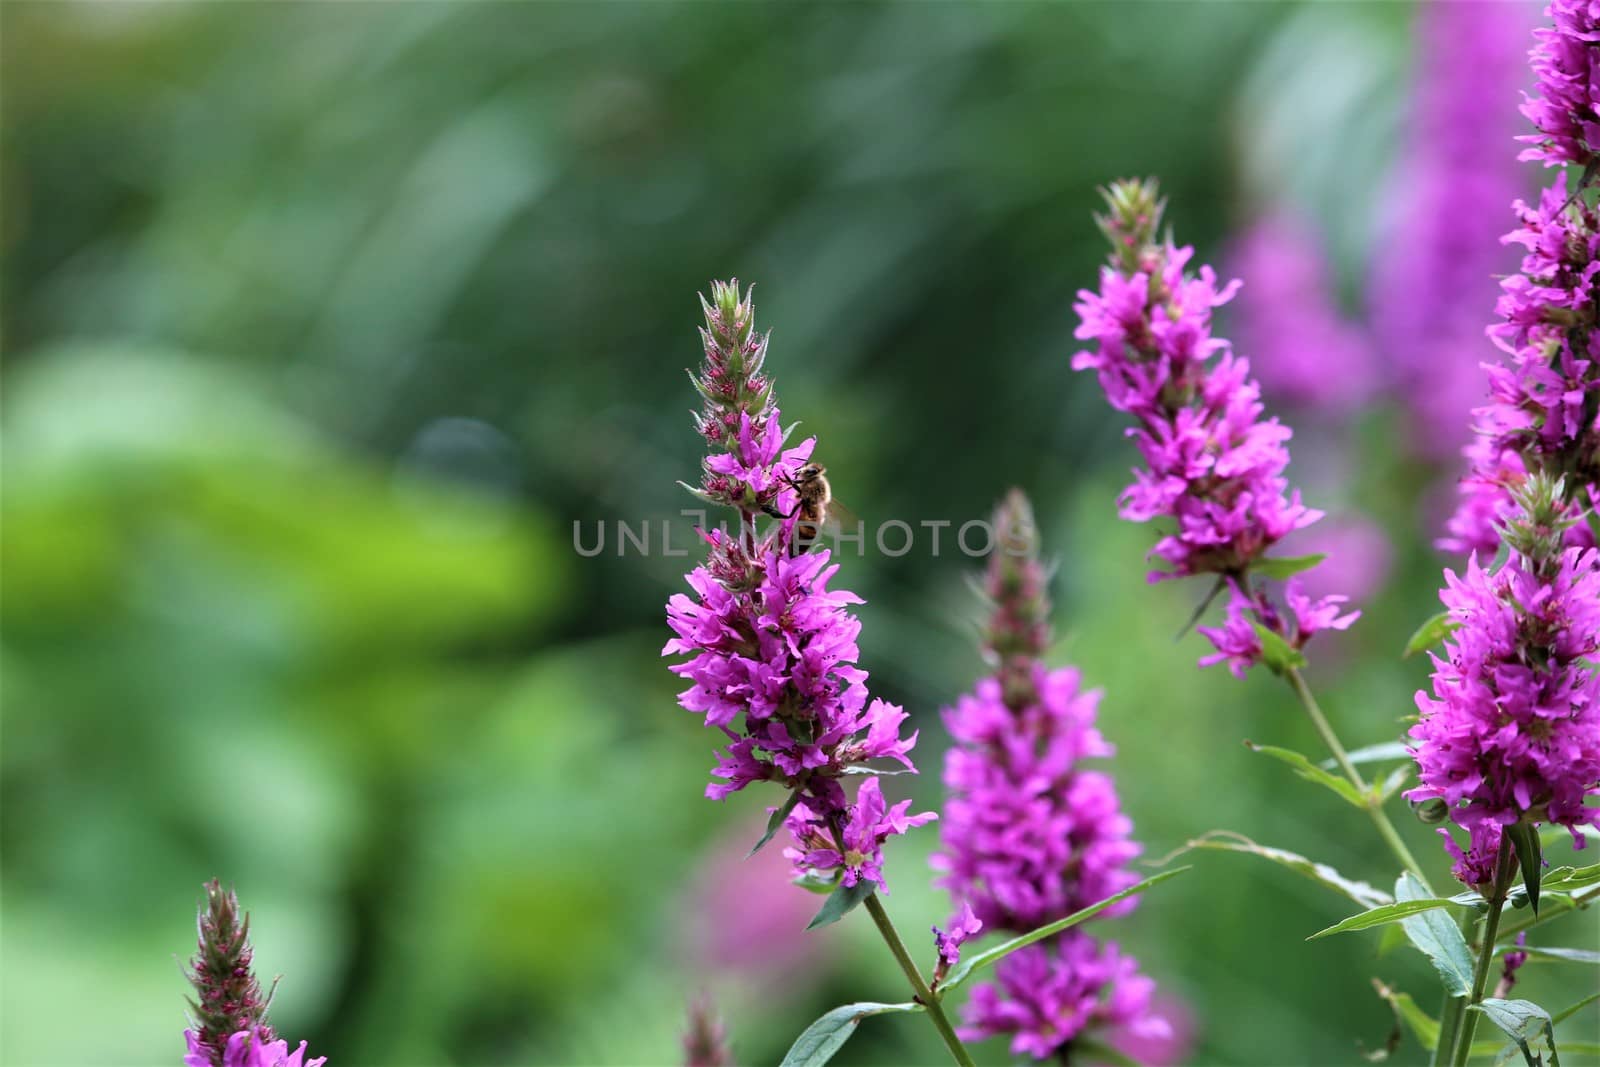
x,y
1308,354
770,649
1448,198
230,1012
705,1043
1565,104
1213,465
1511,729
1030,836
228,999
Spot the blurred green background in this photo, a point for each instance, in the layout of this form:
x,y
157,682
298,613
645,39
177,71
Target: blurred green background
x,y
324,324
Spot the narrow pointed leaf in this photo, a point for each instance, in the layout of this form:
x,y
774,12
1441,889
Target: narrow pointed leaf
x,y
1379,753
1525,842
841,902
780,813
1430,633
1571,955
817,1044
1389,913
966,968
1438,938
1285,566
1310,771
1367,896
1566,1013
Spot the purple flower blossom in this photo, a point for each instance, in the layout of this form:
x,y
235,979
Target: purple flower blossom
x,y
1307,353
1449,195
705,1043
1511,730
1214,466
1049,993
248,1048
948,945
1511,963
869,822
1030,836
1565,104
771,650
1239,646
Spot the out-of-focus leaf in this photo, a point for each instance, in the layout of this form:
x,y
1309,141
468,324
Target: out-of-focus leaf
x,y
1379,753
1276,653
1571,955
1286,566
1227,841
1430,633
1311,772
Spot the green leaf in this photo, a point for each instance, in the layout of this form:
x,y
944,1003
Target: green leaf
x,y
1566,879
1571,955
1437,937
1522,1021
1430,633
1227,841
1388,913
1379,753
1382,791
967,967
828,1034
1276,653
1525,842
842,902
780,813
1569,1012
1285,566
1424,1027
1311,772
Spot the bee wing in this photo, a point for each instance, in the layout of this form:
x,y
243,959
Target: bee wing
x,y
841,519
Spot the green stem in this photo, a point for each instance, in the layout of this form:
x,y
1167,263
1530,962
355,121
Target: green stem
x,y
1491,931
925,997
1386,829
1449,1024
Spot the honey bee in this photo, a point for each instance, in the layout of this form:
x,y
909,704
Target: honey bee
x,y
815,507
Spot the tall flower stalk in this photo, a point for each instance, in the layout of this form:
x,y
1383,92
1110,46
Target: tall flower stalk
x,y
771,650
1031,835
1214,462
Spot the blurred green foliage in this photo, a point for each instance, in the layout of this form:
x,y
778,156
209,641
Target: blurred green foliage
x,y
323,324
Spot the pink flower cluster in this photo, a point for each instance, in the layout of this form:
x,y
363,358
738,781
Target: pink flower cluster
x,y
770,649
1029,835
1565,104
1239,645
1213,464
1049,993
1511,729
